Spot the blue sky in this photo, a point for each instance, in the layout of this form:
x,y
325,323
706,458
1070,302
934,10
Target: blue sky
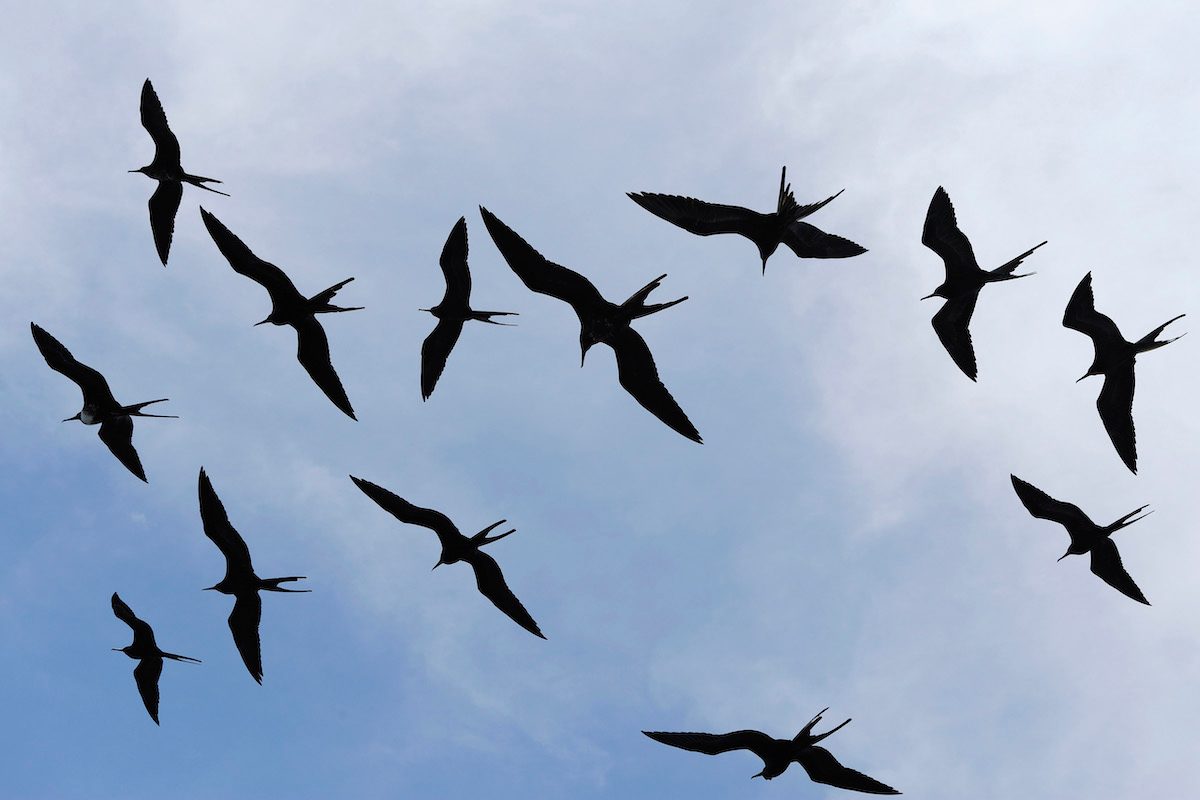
x,y
846,536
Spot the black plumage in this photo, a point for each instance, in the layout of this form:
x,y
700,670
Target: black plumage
x,y
146,652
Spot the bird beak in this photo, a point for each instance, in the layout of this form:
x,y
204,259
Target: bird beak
x,y
438,564
926,297
68,419
764,272
1085,376
135,170
582,356
759,775
264,322
208,589
1064,555
117,649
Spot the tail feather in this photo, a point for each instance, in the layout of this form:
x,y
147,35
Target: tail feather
x,y
1004,272
320,301
272,584
1128,519
177,657
486,316
1151,342
636,304
135,410
199,181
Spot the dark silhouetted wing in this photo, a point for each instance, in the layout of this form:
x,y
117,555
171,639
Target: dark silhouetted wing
x,y
409,514
154,120
117,433
822,767
1107,566
490,581
243,623
218,528
639,377
91,383
1115,405
1043,506
697,216
951,323
1081,315
715,743
454,267
942,236
244,262
146,673
435,351
164,203
313,353
143,634
808,241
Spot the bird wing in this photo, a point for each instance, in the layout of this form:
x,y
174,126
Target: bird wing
x,y
58,358
822,767
117,433
951,324
142,632
1107,566
435,351
490,581
243,623
1081,315
1115,404
1043,506
943,236
409,514
697,216
809,241
154,120
639,377
454,266
244,262
164,203
715,743
146,673
218,528
312,350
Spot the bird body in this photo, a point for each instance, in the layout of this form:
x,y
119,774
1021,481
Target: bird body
x,y
145,651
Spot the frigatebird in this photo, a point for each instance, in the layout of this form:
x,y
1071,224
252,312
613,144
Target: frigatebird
x,y
454,310
599,321
778,754
240,580
767,231
456,547
145,651
1114,359
964,279
99,405
1086,536
289,307
166,169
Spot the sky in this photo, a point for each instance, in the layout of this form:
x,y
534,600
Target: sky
x,y
847,536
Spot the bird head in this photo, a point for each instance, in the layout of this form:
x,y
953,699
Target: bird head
x,y
124,650
586,340
765,251
68,419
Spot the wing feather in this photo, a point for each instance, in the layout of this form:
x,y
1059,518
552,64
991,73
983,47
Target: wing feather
x,y
943,236
244,262
951,323
697,216
809,241
1115,404
312,351
164,204
1043,506
117,433
146,675
536,272
822,767
220,531
154,120
1107,566
716,743
90,382
243,624
408,513
639,376
490,581
435,351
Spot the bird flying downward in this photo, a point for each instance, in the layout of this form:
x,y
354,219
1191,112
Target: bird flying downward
x,y
767,231
454,310
145,651
99,405
1114,359
165,169
778,754
599,321
240,580
1086,536
456,547
964,279
289,307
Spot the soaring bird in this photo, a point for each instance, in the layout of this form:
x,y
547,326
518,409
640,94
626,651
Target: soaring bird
x,y
777,754
145,651
963,281
454,310
456,547
240,580
165,169
767,231
289,307
99,405
1114,360
599,321
1086,536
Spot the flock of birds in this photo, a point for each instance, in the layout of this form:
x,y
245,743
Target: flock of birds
x,y
600,321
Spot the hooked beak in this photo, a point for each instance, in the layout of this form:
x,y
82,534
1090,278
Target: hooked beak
x,y
764,272
117,649
68,419
1085,376
438,564
264,322
209,589
926,297
1064,555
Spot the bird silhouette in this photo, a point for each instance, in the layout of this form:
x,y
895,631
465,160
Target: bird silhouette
x,y
145,651
767,231
240,580
599,321
778,754
454,310
456,547
166,169
963,281
1114,360
289,307
99,405
1086,536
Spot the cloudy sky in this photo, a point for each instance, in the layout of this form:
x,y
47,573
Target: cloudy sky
x,y
847,536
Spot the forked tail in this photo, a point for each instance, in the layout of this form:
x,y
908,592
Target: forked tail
x,y
1004,272
198,180
320,302
1128,519
636,306
482,538
177,657
272,584
486,316
135,410
1150,340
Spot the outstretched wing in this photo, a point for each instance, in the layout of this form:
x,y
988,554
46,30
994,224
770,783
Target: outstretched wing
x,y
951,323
454,267
244,262
1043,506
58,358
146,674
312,351
490,581
715,743
822,767
218,529
143,634
435,351
164,204
154,120
1115,405
639,377
409,514
943,236
809,241
117,433
697,216
1107,566
243,624
1081,315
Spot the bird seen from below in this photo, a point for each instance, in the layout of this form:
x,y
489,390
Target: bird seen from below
x,y
240,580
767,231
778,754
1086,536
289,307
456,547
1114,359
454,310
145,651
99,405
166,169
964,279
599,321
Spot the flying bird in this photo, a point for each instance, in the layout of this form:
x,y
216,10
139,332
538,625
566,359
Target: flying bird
x,y
963,281
599,321
99,405
1114,360
240,580
1086,536
456,547
166,169
145,651
767,231
289,307
778,754
454,310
